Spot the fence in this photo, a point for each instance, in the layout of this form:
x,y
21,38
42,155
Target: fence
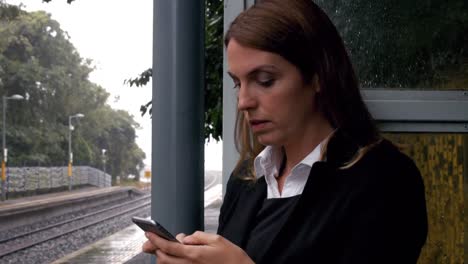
x,y
22,181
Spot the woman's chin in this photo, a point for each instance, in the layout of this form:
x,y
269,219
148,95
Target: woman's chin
x,y
268,140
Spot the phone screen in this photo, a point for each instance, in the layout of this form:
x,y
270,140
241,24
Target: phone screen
x,y
153,227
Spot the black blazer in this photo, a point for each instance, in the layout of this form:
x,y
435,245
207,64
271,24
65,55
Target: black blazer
x,y
373,212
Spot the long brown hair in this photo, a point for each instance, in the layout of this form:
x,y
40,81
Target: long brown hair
x,y
300,32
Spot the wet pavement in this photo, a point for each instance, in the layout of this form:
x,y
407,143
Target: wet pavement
x,y
125,246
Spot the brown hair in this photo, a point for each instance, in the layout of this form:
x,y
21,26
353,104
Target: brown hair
x,y
300,32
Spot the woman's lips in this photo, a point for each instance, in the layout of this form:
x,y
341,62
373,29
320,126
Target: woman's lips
x,y
258,125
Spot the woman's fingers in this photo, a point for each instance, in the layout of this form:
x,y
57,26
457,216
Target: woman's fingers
x,y
172,248
202,238
149,247
180,237
163,258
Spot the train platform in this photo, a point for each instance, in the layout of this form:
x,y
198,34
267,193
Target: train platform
x,y
37,200
125,245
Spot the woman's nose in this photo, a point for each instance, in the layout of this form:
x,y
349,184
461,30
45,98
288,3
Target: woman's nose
x,y
245,99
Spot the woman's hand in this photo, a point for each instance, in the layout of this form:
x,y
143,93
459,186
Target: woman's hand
x,y
200,247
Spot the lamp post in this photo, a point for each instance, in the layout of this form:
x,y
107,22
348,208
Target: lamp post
x,y
104,165
5,151
70,153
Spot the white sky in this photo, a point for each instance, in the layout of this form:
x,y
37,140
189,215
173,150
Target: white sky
x,y
117,36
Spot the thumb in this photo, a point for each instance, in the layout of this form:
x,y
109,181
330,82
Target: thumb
x,y
199,238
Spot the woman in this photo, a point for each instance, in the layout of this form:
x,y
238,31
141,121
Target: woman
x,y
315,182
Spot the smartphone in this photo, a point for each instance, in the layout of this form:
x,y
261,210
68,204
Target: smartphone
x,y
149,225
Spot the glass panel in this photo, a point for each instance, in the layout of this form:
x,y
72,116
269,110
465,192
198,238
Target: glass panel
x,y
443,161
402,44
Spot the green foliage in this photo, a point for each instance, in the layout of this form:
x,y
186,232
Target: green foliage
x,y
213,71
37,59
141,80
8,12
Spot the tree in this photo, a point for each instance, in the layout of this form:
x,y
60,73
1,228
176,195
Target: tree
x,y
37,59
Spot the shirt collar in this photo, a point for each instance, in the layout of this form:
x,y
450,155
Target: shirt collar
x,y
313,156
269,160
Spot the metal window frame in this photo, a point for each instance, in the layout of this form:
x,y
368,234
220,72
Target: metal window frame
x,y
418,110
231,9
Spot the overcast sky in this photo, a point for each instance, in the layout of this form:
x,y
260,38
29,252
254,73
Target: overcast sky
x,y
117,36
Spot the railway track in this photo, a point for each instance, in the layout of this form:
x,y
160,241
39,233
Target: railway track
x,y
15,244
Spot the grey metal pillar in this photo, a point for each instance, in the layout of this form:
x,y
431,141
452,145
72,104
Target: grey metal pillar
x,y
177,148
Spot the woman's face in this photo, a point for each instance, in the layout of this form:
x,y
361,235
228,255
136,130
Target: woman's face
x,y
275,101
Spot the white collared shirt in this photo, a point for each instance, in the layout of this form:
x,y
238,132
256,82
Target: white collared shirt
x,y
268,162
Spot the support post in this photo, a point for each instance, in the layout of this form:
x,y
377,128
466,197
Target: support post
x,y
177,200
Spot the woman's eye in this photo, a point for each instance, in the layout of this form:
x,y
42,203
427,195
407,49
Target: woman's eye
x,y
265,79
266,83
236,85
